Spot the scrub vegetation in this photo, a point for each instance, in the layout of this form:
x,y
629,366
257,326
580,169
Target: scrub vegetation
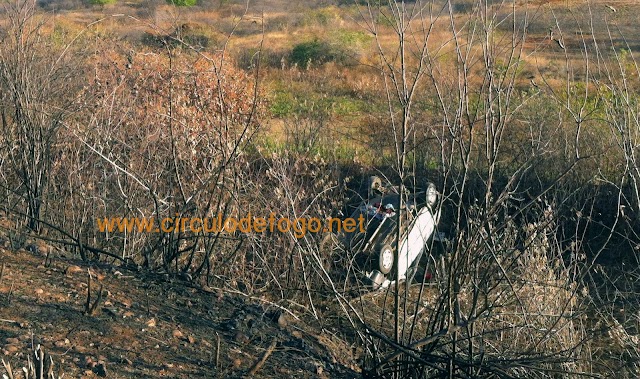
x,y
525,115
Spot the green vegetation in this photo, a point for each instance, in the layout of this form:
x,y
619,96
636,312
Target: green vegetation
x,y
103,2
352,38
314,53
183,3
321,17
533,151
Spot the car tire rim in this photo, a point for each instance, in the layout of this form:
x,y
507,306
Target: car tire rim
x,y
387,259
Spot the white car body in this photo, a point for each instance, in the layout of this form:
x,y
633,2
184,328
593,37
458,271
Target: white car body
x,y
414,244
377,245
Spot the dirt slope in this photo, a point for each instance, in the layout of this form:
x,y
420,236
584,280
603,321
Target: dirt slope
x,y
150,326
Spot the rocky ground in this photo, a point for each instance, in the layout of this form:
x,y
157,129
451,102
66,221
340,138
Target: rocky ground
x,y
149,325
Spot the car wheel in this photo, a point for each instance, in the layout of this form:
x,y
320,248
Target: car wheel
x,y
385,260
375,184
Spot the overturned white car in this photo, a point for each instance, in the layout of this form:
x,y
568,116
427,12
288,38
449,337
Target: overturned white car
x,y
373,251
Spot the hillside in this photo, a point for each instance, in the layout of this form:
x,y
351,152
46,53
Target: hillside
x,y
488,149
151,325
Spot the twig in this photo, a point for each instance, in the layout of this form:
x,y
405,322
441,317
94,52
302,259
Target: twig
x,y
90,308
39,362
146,294
217,350
262,360
47,259
159,340
10,294
8,369
258,299
87,305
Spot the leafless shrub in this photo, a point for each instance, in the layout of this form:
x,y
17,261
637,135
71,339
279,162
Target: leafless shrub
x,y
292,186
169,132
38,95
508,291
40,365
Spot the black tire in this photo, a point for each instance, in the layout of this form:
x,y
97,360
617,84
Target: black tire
x,y
385,259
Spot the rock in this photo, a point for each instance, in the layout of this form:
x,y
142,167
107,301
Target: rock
x,y
191,339
230,325
282,320
237,362
88,362
151,323
39,291
177,334
39,247
113,312
101,369
241,337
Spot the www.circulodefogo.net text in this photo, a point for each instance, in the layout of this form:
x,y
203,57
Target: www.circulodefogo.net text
x,y
299,227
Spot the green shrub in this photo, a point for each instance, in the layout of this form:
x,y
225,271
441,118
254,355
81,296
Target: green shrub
x,y
314,52
102,2
353,44
182,3
322,16
350,38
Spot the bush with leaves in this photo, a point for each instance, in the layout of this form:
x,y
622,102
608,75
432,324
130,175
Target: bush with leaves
x,y
183,3
315,53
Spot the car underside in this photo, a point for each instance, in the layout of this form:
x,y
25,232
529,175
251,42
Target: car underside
x,y
413,220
